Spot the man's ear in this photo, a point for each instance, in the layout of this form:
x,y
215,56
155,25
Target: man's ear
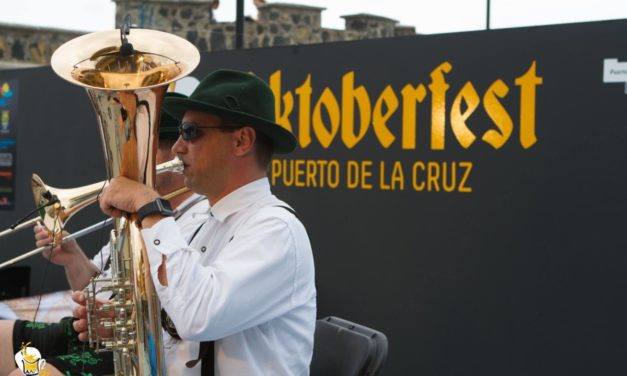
x,y
244,140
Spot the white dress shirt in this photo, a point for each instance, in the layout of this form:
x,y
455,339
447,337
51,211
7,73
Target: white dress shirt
x,y
245,281
189,215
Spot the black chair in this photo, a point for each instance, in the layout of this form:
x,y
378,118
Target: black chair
x,y
344,348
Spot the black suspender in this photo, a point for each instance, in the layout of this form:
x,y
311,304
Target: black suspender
x,y
288,209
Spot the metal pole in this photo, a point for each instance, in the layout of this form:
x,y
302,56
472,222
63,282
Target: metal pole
x,y
488,17
239,25
76,235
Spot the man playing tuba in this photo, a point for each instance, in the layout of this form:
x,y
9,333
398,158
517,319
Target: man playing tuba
x,y
244,287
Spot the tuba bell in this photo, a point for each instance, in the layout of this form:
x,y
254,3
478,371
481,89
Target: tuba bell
x,y
126,73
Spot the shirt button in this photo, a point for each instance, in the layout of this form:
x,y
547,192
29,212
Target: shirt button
x,y
203,249
157,242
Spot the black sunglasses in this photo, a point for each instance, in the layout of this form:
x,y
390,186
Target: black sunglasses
x,y
189,131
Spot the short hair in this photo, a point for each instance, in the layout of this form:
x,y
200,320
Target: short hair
x,y
264,149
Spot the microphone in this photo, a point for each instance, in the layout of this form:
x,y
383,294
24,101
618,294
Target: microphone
x,y
126,49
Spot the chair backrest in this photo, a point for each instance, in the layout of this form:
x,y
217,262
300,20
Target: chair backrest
x,y
344,348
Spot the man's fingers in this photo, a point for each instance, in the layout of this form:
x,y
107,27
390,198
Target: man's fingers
x,y
80,312
78,297
83,337
42,238
111,211
42,243
106,314
80,325
42,235
116,213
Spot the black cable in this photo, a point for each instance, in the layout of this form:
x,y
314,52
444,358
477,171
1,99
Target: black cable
x,y
52,199
43,281
126,48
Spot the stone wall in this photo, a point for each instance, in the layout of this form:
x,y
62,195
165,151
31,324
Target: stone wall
x,y
166,15
368,26
277,24
23,46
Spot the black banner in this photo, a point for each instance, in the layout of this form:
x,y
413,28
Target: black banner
x,y
463,192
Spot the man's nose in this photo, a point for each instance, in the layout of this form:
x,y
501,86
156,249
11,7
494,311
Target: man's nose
x,y
179,146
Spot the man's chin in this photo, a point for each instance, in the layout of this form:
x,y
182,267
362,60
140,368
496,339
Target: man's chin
x,y
189,183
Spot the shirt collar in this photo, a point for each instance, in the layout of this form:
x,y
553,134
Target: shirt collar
x,y
240,198
190,199
187,204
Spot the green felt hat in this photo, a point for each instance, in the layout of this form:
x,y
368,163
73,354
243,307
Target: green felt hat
x,y
241,96
169,126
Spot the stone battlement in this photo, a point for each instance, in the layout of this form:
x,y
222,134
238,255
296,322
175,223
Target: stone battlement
x,y
277,24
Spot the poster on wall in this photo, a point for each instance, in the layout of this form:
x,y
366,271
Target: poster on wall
x,y
8,136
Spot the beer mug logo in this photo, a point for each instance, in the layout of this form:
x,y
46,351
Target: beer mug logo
x,y
29,361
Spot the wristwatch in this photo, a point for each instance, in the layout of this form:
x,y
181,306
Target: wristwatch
x,y
159,205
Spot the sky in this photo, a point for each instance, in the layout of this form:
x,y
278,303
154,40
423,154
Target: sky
x,y
428,17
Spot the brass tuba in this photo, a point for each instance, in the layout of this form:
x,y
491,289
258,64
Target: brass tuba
x,y
126,73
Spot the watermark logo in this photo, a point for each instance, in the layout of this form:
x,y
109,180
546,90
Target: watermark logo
x,y
30,362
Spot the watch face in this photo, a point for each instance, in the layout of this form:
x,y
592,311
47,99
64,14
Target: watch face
x,y
159,205
164,207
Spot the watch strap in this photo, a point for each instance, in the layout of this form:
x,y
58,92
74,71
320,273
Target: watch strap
x,y
160,206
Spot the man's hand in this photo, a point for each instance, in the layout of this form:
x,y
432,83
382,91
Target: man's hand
x,y
62,253
123,195
80,313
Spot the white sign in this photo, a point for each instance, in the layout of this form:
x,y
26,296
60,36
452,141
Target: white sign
x,y
615,71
